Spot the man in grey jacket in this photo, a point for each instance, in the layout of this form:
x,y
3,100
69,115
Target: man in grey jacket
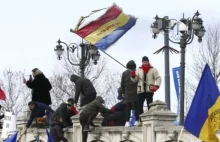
x,y
84,86
90,112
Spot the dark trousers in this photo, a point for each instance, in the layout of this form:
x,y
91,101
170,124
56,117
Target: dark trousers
x,y
132,106
116,117
148,96
86,120
87,99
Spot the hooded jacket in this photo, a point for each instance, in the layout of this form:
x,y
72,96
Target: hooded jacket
x,y
129,88
95,107
82,85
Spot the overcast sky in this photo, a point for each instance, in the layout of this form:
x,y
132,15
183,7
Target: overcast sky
x,y
29,30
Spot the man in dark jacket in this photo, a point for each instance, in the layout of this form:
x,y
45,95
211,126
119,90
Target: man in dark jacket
x,y
65,111
39,110
90,112
129,89
40,87
116,117
56,129
84,86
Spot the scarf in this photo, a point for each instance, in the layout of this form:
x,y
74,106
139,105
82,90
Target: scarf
x,y
146,68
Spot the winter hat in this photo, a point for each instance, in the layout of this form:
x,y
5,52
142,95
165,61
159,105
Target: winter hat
x,y
145,58
34,70
74,78
131,65
70,101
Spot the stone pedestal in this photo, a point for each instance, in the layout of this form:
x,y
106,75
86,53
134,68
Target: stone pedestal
x,y
158,115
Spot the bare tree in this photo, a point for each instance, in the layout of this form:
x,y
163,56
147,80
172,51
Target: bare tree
x,y
208,52
104,81
17,94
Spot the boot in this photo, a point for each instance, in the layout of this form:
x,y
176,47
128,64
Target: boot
x,y
93,125
87,129
139,124
136,123
127,124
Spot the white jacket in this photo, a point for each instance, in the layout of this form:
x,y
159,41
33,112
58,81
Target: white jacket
x,y
152,78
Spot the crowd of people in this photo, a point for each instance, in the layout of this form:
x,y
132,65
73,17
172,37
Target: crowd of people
x,y
137,85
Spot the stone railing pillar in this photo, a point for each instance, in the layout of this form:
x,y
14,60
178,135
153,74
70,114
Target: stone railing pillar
x,y
158,115
77,129
21,124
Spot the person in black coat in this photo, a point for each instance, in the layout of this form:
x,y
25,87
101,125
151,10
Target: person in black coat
x,y
89,113
39,110
56,129
84,86
65,112
129,90
40,87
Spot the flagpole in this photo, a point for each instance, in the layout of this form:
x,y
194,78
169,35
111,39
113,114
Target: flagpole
x,y
123,65
180,134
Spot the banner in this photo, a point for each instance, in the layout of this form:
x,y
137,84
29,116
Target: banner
x,y
176,79
9,124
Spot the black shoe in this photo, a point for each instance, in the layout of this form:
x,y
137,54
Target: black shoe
x,y
95,126
87,129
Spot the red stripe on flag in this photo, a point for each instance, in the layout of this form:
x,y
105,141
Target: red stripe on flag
x,y
110,14
2,95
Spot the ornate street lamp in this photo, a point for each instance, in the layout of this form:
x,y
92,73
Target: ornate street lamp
x,y
88,52
187,28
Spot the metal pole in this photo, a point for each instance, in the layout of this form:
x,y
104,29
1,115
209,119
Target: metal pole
x,y
82,65
182,77
82,61
167,67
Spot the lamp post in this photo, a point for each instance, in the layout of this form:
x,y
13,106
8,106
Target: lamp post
x,y
88,52
163,25
187,28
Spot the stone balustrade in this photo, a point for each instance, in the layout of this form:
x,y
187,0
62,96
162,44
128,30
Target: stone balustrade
x,y
158,126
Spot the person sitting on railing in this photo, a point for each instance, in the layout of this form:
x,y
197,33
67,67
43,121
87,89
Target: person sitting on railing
x,y
117,116
66,111
72,112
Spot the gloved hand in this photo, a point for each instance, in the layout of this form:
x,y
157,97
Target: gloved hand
x,y
132,74
154,88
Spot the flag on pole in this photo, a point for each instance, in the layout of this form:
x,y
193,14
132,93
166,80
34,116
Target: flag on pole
x,y
49,136
2,95
38,139
133,119
176,80
203,117
107,29
13,138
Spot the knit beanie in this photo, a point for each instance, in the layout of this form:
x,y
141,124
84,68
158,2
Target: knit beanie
x,y
145,58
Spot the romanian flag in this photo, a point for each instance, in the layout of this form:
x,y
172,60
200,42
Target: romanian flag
x,y
2,95
107,29
203,118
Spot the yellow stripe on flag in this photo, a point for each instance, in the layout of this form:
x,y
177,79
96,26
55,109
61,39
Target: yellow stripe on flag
x,y
107,28
212,123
